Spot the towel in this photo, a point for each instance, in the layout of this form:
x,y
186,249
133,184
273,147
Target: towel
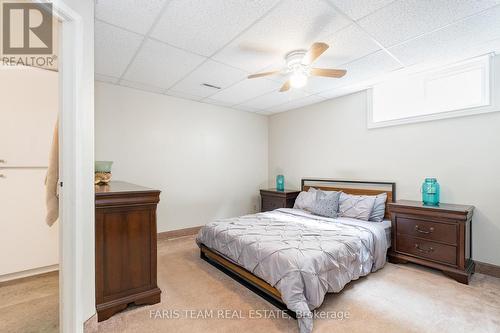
x,y
52,180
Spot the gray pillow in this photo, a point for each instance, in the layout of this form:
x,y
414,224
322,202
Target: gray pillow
x,y
326,203
304,200
378,212
356,206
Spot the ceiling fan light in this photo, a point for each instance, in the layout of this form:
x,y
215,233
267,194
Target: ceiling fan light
x,y
298,79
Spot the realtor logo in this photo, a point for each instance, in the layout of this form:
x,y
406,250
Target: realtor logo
x,y
27,28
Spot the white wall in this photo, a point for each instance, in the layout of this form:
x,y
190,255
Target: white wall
x,y
27,244
77,281
208,161
331,140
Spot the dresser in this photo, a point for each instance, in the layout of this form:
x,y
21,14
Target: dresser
x,y
125,247
272,199
437,237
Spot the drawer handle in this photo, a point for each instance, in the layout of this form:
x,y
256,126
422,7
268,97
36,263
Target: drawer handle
x,y
417,228
429,250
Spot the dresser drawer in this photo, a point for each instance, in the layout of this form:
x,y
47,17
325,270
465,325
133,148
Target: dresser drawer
x,y
272,204
441,232
427,249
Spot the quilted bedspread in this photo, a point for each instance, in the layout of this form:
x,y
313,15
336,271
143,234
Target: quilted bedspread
x,y
302,255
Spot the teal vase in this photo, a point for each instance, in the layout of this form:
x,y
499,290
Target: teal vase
x,y
280,183
430,192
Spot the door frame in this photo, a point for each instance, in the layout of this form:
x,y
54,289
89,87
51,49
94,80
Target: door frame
x,y
76,165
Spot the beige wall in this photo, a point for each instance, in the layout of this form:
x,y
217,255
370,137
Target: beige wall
x,y
207,160
331,140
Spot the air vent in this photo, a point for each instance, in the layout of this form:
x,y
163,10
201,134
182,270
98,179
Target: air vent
x,y
210,86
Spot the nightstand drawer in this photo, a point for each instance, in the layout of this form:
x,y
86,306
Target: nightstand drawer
x,y
272,204
441,232
427,249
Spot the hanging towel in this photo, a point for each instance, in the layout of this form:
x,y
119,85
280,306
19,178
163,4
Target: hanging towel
x,y
52,179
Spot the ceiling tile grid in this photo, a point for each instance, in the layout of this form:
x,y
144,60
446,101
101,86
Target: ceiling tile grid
x,y
210,72
203,27
161,65
114,48
294,24
137,16
175,46
406,19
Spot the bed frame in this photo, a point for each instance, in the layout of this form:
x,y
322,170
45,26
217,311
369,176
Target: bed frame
x,y
261,287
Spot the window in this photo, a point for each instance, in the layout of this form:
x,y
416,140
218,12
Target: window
x,y
457,90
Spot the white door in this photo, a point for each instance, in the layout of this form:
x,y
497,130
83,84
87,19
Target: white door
x,y
26,242
28,112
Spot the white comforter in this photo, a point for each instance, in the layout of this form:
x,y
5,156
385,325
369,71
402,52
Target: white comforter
x,y
302,255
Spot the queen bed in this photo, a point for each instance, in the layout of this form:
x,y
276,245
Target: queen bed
x,y
292,257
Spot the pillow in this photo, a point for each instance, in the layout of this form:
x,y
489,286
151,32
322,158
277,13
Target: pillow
x,y
356,206
326,203
378,212
304,200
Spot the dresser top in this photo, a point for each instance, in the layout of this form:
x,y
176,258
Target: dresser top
x,y
442,206
119,187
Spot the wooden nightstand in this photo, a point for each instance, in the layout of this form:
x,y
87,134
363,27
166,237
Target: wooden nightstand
x,y
437,237
272,199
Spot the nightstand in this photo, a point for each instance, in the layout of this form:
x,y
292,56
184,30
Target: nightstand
x,y
272,199
433,236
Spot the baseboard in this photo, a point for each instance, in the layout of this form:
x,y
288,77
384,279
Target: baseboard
x,y
90,325
487,269
27,274
178,233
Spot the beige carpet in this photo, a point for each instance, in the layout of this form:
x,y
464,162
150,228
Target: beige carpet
x,y
399,298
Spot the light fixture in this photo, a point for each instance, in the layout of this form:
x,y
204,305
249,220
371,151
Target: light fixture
x,y
298,79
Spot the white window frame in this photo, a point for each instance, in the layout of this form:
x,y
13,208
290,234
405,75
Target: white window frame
x,y
492,97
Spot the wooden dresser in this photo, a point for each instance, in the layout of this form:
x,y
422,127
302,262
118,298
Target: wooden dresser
x,y
272,199
125,247
437,237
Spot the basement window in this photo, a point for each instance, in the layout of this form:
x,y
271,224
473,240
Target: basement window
x,y
454,91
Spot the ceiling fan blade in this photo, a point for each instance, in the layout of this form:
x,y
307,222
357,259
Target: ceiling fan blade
x,y
286,86
253,76
314,52
328,72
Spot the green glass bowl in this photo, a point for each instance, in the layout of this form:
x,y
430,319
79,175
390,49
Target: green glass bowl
x,y
103,166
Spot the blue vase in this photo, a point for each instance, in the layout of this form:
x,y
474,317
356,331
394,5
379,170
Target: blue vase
x,y
280,183
430,192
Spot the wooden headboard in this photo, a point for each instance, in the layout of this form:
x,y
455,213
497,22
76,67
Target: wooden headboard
x,y
354,187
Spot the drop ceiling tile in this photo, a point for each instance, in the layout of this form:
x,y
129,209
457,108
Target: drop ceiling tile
x,y
246,108
458,41
357,9
294,24
210,72
245,90
373,65
133,15
114,49
216,102
309,100
346,45
141,86
274,98
161,65
405,19
203,26
183,95
105,78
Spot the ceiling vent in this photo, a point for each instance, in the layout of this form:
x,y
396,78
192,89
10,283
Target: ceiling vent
x,y
211,86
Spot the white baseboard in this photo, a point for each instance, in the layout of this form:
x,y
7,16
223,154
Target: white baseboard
x,y
29,272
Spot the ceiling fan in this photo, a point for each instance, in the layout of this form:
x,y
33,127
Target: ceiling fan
x,y
298,65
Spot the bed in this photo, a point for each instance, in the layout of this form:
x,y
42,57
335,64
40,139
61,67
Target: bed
x,y
293,258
